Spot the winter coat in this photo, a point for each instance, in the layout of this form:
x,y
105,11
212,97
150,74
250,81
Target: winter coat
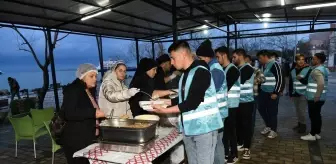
x,y
80,116
113,96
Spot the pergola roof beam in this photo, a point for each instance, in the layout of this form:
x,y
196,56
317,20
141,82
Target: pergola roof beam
x,y
316,17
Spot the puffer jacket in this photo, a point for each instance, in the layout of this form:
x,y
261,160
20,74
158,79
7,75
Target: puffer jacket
x,y
113,96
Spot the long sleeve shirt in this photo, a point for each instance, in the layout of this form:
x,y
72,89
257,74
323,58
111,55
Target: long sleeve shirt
x,y
279,78
232,76
318,76
218,76
200,83
246,73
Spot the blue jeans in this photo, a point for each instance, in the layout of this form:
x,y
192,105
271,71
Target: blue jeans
x,y
268,109
200,149
13,94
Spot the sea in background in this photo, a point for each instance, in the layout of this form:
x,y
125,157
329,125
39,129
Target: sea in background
x,y
28,74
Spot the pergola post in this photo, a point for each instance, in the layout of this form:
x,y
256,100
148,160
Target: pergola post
x,y
228,36
153,49
100,54
174,21
137,50
236,35
53,72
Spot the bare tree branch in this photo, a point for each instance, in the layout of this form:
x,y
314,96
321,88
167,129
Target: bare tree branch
x,y
28,44
23,49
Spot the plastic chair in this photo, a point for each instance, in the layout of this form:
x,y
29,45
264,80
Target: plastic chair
x,y
54,147
24,130
41,115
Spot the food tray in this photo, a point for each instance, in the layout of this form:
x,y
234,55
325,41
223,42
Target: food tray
x,y
128,148
116,130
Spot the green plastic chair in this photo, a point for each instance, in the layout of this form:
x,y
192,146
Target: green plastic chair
x,y
54,147
41,115
24,130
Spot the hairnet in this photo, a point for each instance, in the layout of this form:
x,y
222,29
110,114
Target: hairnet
x,y
84,69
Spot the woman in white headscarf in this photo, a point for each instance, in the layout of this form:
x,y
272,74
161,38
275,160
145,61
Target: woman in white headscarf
x,y
114,94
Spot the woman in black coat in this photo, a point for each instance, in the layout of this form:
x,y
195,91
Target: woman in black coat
x,y
144,80
80,113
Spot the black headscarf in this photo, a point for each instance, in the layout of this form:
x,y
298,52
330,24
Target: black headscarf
x,y
145,65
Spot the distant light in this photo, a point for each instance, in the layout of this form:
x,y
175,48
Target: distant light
x,y
266,15
204,26
314,47
205,32
206,21
315,6
266,19
97,14
265,25
282,2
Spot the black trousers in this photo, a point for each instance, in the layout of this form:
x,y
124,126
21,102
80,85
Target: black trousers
x,y
268,110
314,110
244,124
68,151
229,137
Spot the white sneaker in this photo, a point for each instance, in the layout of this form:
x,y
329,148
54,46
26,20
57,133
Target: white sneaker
x,y
318,137
266,130
240,147
308,137
272,134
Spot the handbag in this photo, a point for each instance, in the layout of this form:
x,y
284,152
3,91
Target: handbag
x,y
57,127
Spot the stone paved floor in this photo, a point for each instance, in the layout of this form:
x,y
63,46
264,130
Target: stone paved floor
x,y
285,149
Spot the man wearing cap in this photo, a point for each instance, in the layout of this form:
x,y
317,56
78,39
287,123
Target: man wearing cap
x,y
246,102
316,95
233,86
197,105
206,53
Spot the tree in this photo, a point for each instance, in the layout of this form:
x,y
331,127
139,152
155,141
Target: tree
x,y
145,50
161,49
303,47
25,45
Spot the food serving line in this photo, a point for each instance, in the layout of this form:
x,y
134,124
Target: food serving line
x,y
131,141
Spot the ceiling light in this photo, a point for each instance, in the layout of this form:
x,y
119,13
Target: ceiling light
x,y
204,26
87,9
205,32
266,15
97,14
265,25
315,6
282,2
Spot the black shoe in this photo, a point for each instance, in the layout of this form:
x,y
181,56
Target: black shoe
x,y
302,128
247,154
232,160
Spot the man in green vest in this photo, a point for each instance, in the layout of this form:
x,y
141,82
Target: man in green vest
x,y
233,86
297,90
206,53
270,93
200,118
316,95
246,102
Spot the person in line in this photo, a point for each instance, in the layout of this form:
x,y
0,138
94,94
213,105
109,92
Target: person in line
x,y
270,93
246,102
80,111
316,95
14,88
200,118
143,79
259,78
206,53
297,90
164,78
233,86
114,94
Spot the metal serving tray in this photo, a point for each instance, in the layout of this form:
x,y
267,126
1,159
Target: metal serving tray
x,y
128,148
116,130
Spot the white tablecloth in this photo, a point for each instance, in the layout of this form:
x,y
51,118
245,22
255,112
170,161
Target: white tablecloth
x,y
168,138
